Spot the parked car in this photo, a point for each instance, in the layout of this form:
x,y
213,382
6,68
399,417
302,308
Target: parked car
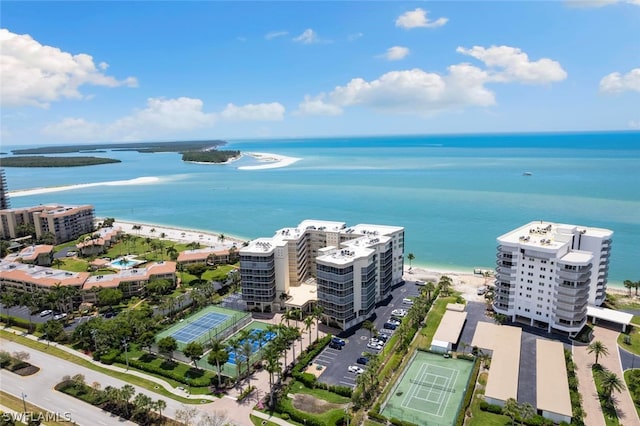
x,y
418,282
407,301
59,316
389,326
46,312
355,369
338,341
362,360
334,345
482,290
375,341
399,312
382,337
394,321
374,346
386,332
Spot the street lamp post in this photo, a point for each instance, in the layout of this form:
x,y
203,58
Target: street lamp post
x,y
95,342
24,403
126,354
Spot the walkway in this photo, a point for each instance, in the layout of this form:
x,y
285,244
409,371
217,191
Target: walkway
x,y
624,404
587,387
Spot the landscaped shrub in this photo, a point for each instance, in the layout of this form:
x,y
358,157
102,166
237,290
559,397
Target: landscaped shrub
x,y
308,379
491,408
468,394
377,416
110,357
205,377
340,390
285,406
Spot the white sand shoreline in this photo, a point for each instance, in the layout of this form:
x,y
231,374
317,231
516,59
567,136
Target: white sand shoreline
x,y
145,180
271,161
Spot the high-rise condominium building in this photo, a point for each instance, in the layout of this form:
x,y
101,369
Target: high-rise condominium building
x,y
66,223
547,274
4,198
351,268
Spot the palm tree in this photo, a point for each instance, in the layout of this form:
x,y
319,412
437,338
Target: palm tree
x,y
368,325
235,346
445,284
161,405
136,228
221,238
273,366
218,355
411,257
246,350
429,287
598,348
126,393
611,382
308,322
511,409
317,314
629,285
172,252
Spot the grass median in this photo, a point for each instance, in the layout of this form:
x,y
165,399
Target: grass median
x,y
59,353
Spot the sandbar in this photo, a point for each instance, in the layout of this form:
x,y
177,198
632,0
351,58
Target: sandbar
x,y
37,191
270,161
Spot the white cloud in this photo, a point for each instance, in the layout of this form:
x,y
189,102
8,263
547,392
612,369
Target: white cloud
x,y
274,34
317,106
419,92
307,37
512,64
161,118
618,83
273,111
418,19
35,74
396,53
353,37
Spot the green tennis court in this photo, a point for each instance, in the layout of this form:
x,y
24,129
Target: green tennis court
x,y
430,390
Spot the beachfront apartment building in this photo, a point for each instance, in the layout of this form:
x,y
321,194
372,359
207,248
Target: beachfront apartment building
x,y
4,197
344,270
65,223
548,273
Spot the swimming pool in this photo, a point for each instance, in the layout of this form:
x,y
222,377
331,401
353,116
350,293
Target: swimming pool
x,y
125,263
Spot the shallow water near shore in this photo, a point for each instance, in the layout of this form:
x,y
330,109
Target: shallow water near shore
x,y
453,194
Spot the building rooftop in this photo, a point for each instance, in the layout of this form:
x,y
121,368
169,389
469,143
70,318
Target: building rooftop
x,y
552,385
607,314
581,257
30,252
44,276
504,341
344,256
302,294
549,235
450,326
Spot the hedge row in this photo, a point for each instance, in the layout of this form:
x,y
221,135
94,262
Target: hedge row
x,y
398,422
468,394
309,354
18,322
205,380
284,406
536,420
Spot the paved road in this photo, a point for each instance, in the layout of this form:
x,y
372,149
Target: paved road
x,y
39,388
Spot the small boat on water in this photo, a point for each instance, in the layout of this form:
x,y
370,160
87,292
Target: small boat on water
x,y
527,174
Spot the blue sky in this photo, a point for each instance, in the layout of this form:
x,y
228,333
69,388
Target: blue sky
x,y
129,71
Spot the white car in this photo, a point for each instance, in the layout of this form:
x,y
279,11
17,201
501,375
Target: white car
x,y
374,346
375,341
59,316
399,312
407,301
394,321
355,369
46,312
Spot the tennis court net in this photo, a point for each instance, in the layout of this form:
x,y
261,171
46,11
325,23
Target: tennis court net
x,y
432,385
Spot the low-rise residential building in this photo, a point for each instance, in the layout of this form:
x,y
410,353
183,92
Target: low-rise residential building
x,y
207,255
99,242
352,268
41,255
548,273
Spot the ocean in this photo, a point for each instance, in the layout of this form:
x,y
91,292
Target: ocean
x,y
454,194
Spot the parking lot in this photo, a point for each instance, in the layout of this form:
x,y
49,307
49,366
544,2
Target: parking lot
x,y
337,361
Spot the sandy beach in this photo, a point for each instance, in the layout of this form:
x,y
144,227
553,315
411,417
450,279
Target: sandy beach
x,y
271,161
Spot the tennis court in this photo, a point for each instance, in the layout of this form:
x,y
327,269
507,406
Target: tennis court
x,y
430,390
256,344
210,323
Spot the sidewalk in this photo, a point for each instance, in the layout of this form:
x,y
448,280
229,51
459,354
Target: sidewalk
x,y
587,387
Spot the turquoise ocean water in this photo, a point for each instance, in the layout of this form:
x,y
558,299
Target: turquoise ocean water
x,y
453,194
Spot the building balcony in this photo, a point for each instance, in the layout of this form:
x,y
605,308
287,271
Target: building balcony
x,y
578,301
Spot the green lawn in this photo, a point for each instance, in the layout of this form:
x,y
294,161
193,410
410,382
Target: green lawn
x,y
257,421
610,415
73,265
630,386
14,403
298,387
484,418
634,347
52,350
433,319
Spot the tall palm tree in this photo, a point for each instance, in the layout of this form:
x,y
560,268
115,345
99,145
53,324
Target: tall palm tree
x,y
368,325
598,348
161,405
411,257
235,345
272,356
218,355
172,252
629,285
246,350
308,322
126,393
429,288
445,284
317,314
611,382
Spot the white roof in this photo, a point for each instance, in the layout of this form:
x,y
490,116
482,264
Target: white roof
x,y
552,385
450,326
577,257
609,315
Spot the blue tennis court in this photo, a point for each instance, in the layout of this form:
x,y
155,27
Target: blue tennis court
x,y
199,327
255,344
